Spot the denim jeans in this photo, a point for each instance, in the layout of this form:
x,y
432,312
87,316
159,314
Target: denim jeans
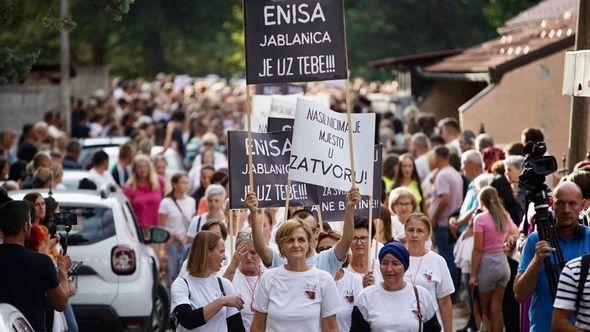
x,y
70,318
445,249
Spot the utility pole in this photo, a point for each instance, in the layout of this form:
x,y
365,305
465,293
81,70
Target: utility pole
x,y
578,134
64,82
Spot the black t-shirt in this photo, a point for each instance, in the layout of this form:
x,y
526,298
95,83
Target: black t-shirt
x,y
24,277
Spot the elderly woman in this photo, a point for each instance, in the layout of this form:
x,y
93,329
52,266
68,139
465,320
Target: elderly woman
x,y
413,305
296,294
245,271
428,269
215,195
401,204
200,300
145,191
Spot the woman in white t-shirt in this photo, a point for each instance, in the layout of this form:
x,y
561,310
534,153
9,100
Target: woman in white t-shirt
x,y
401,204
349,284
361,248
200,300
244,272
296,295
393,304
215,196
174,215
429,269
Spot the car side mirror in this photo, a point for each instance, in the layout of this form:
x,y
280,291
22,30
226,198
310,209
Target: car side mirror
x,y
158,235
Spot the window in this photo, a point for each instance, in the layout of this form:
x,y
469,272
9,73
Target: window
x,y
94,224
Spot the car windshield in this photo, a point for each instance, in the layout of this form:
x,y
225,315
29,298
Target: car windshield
x,y
94,224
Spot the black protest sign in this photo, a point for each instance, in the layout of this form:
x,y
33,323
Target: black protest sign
x,y
333,201
270,164
294,41
279,124
281,89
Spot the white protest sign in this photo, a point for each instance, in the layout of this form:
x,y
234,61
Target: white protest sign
x,y
283,106
320,152
261,105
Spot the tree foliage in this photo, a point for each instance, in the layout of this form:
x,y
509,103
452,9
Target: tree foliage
x,y
199,37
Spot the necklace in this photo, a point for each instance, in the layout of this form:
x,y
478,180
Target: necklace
x,y
418,269
251,288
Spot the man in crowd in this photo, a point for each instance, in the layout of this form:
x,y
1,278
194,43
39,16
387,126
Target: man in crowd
x,y
450,131
73,151
574,240
99,173
29,279
122,169
446,197
472,166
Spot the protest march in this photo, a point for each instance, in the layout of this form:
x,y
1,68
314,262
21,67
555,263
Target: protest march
x,y
424,192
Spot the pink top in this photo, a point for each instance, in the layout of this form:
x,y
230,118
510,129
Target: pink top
x,y
145,203
493,240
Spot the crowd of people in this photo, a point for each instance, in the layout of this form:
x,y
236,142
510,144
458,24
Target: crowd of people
x,y
455,225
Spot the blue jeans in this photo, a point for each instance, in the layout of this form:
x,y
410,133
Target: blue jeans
x,y
445,249
174,264
70,318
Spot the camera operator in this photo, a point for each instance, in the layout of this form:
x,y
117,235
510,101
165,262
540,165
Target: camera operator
x,y
28,279
574,240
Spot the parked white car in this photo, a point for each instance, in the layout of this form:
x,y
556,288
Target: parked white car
x,y
12,320
118,283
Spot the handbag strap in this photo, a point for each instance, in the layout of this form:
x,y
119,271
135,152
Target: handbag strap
x,y
418,305
221,286
186,220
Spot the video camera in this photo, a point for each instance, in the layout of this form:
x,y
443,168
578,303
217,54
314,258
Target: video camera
x,y
535,168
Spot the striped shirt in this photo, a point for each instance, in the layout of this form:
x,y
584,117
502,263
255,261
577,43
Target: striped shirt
x,y
567,291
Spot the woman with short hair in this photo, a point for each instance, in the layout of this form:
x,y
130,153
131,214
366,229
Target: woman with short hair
x,y
401,204
296,294
393,304
245,271
215,195
200,301
429,269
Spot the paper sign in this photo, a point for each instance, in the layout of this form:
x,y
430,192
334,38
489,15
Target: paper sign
x,y
270,161
320,153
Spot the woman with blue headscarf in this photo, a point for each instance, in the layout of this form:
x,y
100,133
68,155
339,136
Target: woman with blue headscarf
x,y
392,304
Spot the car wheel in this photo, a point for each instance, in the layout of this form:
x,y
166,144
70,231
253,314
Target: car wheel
x,y
160,310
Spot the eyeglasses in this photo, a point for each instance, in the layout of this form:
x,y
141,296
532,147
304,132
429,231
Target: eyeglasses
x,y
362,239
403,204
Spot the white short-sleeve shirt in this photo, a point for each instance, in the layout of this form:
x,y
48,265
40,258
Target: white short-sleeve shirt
x,y
394,311
325,260
349,287
202,292
431,272
176,221
297,300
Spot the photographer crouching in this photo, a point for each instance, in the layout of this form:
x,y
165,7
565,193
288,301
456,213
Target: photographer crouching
x,y
29,279
553,242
